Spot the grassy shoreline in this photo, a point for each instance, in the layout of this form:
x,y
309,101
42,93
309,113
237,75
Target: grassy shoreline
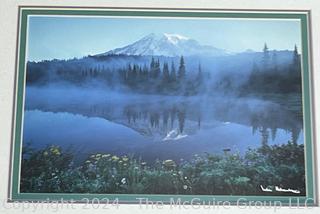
x,y
52,170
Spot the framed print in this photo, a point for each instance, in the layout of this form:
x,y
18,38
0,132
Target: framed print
x,y
130,105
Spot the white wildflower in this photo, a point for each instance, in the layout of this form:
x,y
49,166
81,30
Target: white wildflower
x,y
123,180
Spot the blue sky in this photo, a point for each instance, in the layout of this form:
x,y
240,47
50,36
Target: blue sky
x,y
69,37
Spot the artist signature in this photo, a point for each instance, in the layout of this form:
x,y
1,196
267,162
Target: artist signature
x,y
279,189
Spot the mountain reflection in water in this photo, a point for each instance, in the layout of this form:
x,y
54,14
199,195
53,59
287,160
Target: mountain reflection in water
x,y
157,127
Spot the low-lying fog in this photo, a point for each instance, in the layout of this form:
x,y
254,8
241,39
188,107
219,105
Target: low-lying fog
x,y
155,126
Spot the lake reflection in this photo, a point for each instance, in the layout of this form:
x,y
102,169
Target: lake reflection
x,y
156,127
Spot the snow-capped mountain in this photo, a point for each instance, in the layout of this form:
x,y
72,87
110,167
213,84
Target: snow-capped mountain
x,y
167,45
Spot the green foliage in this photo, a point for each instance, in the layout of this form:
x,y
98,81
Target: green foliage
x,y
271,77
51,170
155,78
42,170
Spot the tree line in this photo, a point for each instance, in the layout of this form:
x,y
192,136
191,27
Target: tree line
x,y
160,78
268,76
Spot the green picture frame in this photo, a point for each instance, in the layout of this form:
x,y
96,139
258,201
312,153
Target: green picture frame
x,y
310,166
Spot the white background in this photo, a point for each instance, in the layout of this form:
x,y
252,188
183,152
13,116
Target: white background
x,y
8,37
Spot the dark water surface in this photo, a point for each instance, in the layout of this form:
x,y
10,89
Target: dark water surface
x,y
157,127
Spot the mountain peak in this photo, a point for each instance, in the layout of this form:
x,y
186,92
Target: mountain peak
x,y
175,38
171,38
167,35
166,44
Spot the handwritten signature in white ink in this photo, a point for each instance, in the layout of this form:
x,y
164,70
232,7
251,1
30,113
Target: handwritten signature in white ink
x,y
279,189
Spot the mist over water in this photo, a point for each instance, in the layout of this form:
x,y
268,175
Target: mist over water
x,y
97,120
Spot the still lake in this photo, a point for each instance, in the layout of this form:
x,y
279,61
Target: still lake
x,y
90,121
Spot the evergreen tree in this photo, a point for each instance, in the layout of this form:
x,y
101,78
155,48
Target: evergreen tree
x,y
296,67
157,69
266,57
296,58
145,72
173,75
152,63
200,83
128,74
182,69
134,73
152,68
200,75
166,75
95,72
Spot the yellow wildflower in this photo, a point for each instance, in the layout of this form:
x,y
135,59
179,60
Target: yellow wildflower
x,y
169,163
55,151
115,158
106,156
